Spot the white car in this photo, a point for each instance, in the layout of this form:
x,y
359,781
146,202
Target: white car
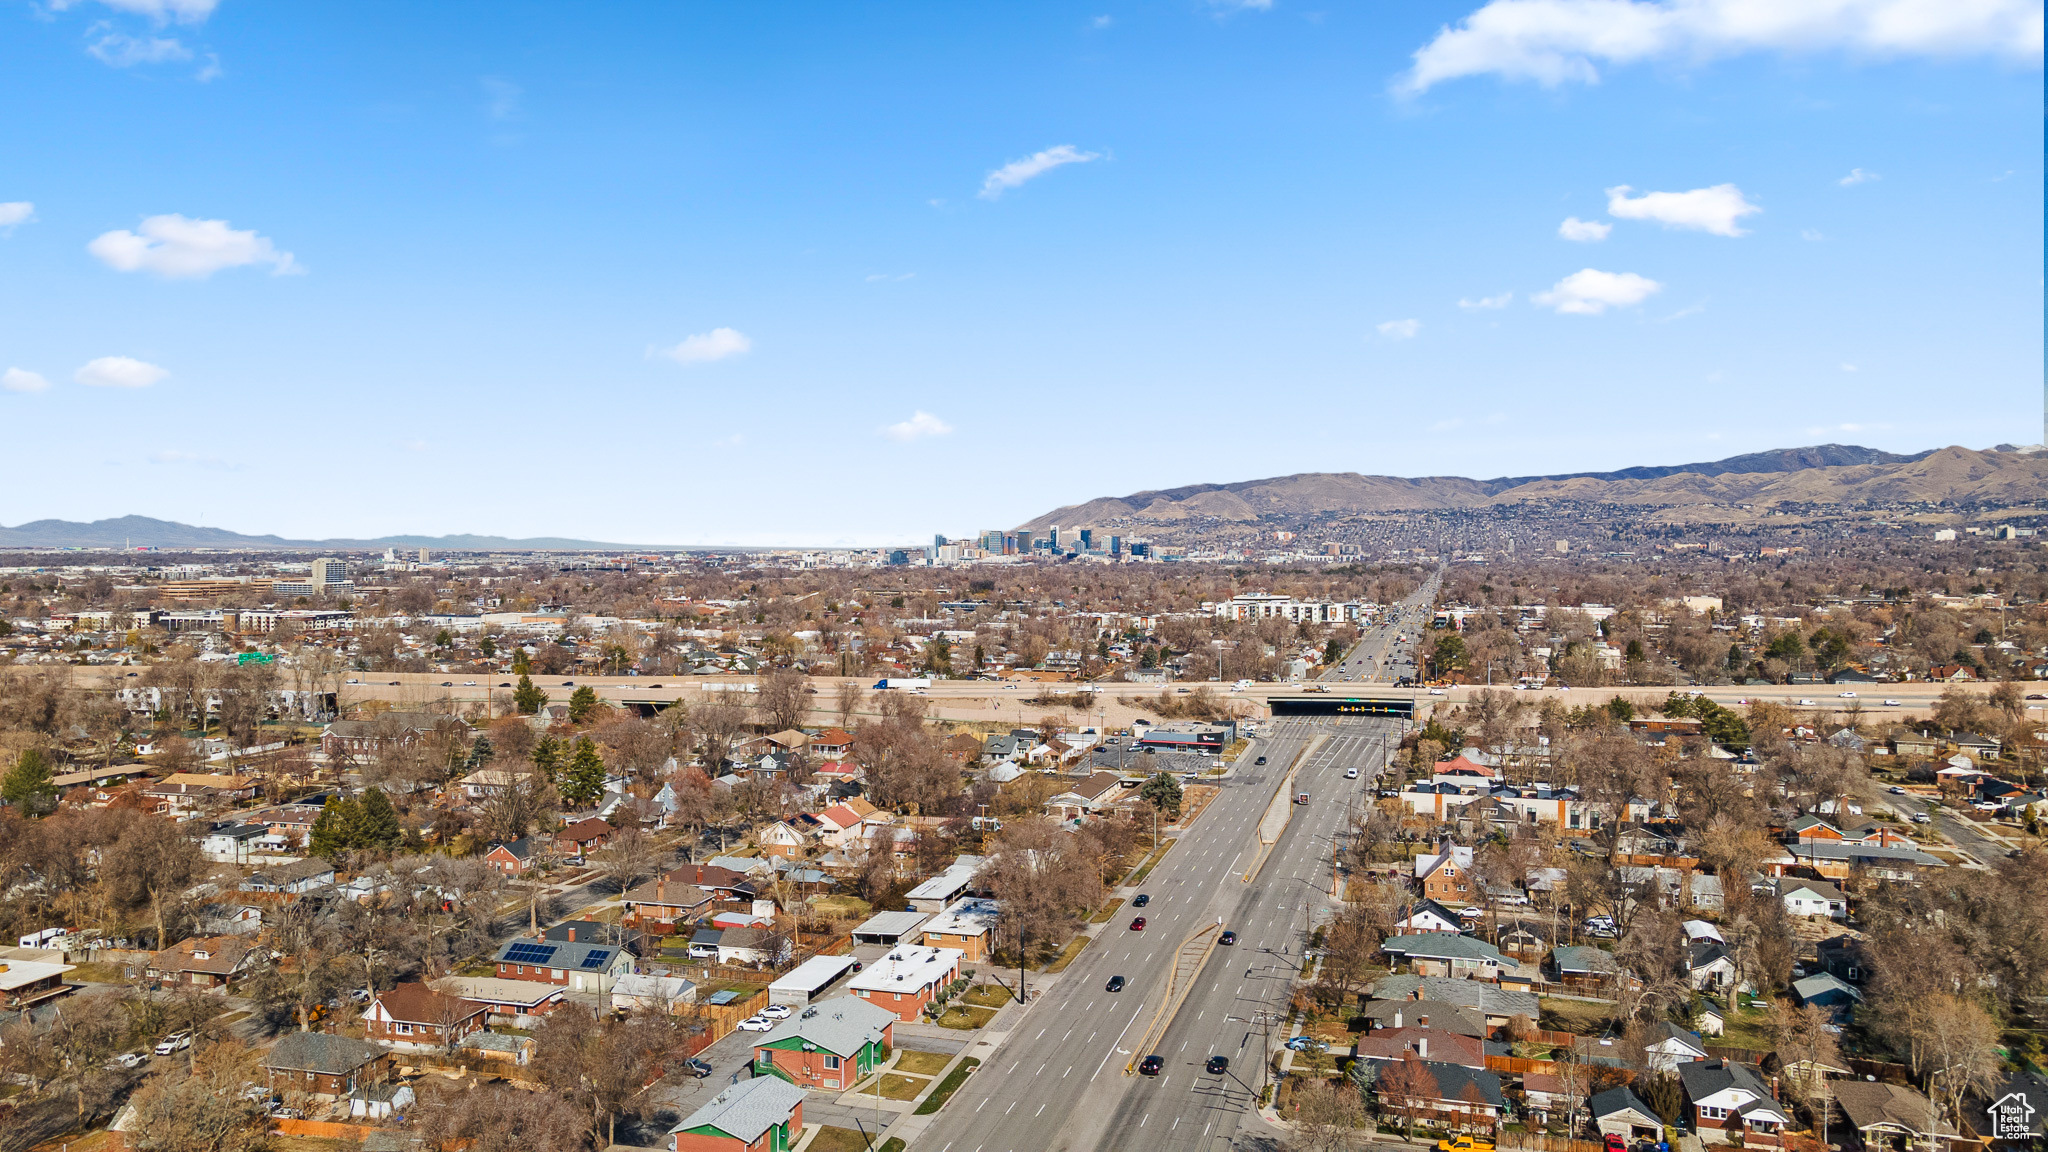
x,y
1805,703
1351,773
756,1024
1848,695
1922,818
1891,704
1438,692
175,1042
775,1012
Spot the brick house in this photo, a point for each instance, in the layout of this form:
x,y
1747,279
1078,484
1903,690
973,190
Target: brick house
x,y
324,1065
662,905
580,838
1724,1099
765,1114
514,858
1438,954
829,1045
907,979
1445,876
210,962
1439,1095
417,1018
578,966
968,925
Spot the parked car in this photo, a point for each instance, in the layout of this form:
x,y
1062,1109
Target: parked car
x,y
1465,1144
175,1042
1922,818
1138,924
1150,1066
697,1068
128,1060
1306,1044
1116,984
775,1012
756,1024
1615,1143
280,1112
1217,1065
1896,790
1227,938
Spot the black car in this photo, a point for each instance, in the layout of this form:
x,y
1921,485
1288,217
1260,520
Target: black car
x,y
1227,938
1116,984
568,683
1217,1065
697,1067
1141,900
1150,1066
1260,760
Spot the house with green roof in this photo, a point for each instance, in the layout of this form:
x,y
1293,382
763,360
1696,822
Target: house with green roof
x,y
765,1114
829,1045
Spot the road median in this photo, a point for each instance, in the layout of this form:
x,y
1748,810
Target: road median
x,y
1280,809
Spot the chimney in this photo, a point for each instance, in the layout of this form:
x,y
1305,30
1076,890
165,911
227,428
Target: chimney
x,y
572,933
661,889
1397,1017
1422,1021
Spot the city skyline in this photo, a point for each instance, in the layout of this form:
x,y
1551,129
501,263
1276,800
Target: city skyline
x,y
840,278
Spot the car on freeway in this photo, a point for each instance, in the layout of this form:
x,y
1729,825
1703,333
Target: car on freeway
x,y
506,684
1302,798
756,1024
394,683
775,1012
1137,924
1439,692
447,683
1150,1066
469,683
1260,760
568,683
2030,695
1805,703
1351,773
1217,1065
1116,984
1848,695
697,1068
1227,938
1891,704
1141,899
352,680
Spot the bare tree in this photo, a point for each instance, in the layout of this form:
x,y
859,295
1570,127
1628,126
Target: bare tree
x,y
784,698
850,695
1325,1115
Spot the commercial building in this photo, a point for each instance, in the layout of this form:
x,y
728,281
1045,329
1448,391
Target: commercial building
x,y
907,979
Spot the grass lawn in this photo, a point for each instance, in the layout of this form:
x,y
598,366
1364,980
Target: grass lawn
x,y
843,907
95,973
1575,1016
988,996
1067,954
830,1139
1746,1028
1108,910
965,1017
896,1087
894,1144
922,1063
947,1087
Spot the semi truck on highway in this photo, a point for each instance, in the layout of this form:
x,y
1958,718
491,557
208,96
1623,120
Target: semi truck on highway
x,y
905,682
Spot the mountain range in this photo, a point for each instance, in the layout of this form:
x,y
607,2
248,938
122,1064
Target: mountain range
x,y
141,531
1823,474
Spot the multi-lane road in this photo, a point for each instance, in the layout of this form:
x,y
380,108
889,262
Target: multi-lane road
x,y
1379,655
1060,1081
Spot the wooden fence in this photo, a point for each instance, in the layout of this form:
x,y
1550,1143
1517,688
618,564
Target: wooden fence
x,y
324,1130
720,1019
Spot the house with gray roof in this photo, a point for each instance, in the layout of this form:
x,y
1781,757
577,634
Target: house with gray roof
x,y
1582,965
1437,954
1618,1112
829,1045
1497,1004
765,1114
324,1065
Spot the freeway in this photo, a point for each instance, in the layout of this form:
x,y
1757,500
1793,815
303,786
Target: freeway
x,y
1378,655
1059,1082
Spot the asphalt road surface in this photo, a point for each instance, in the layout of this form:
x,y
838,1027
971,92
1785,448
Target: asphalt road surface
x,y
1377,656
1059,1082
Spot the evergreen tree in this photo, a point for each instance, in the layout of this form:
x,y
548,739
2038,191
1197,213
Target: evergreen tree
x,y
27,785
527,698
547,756
584,783
488,647
376,824
1163,792
582,703
520,663
337,829
480,753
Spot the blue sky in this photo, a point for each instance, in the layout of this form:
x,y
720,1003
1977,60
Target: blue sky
x,y
832,273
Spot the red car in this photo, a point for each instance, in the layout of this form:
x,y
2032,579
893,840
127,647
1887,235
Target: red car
x,y
1138,925
1615,1143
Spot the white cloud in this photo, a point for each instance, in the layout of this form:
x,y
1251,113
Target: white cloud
x,y
920,425
1016,172
704,347
209,71
1500,301
1400,329
22,380
119,372
1812,235
1589,292
122,51
1848,367
1584,231
1858,176
1559,41
1715,209
182,248
161,11
15,212
1102,21
1242,5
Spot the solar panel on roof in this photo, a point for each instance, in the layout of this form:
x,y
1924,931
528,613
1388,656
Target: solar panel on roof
x,y
530,953
596,957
